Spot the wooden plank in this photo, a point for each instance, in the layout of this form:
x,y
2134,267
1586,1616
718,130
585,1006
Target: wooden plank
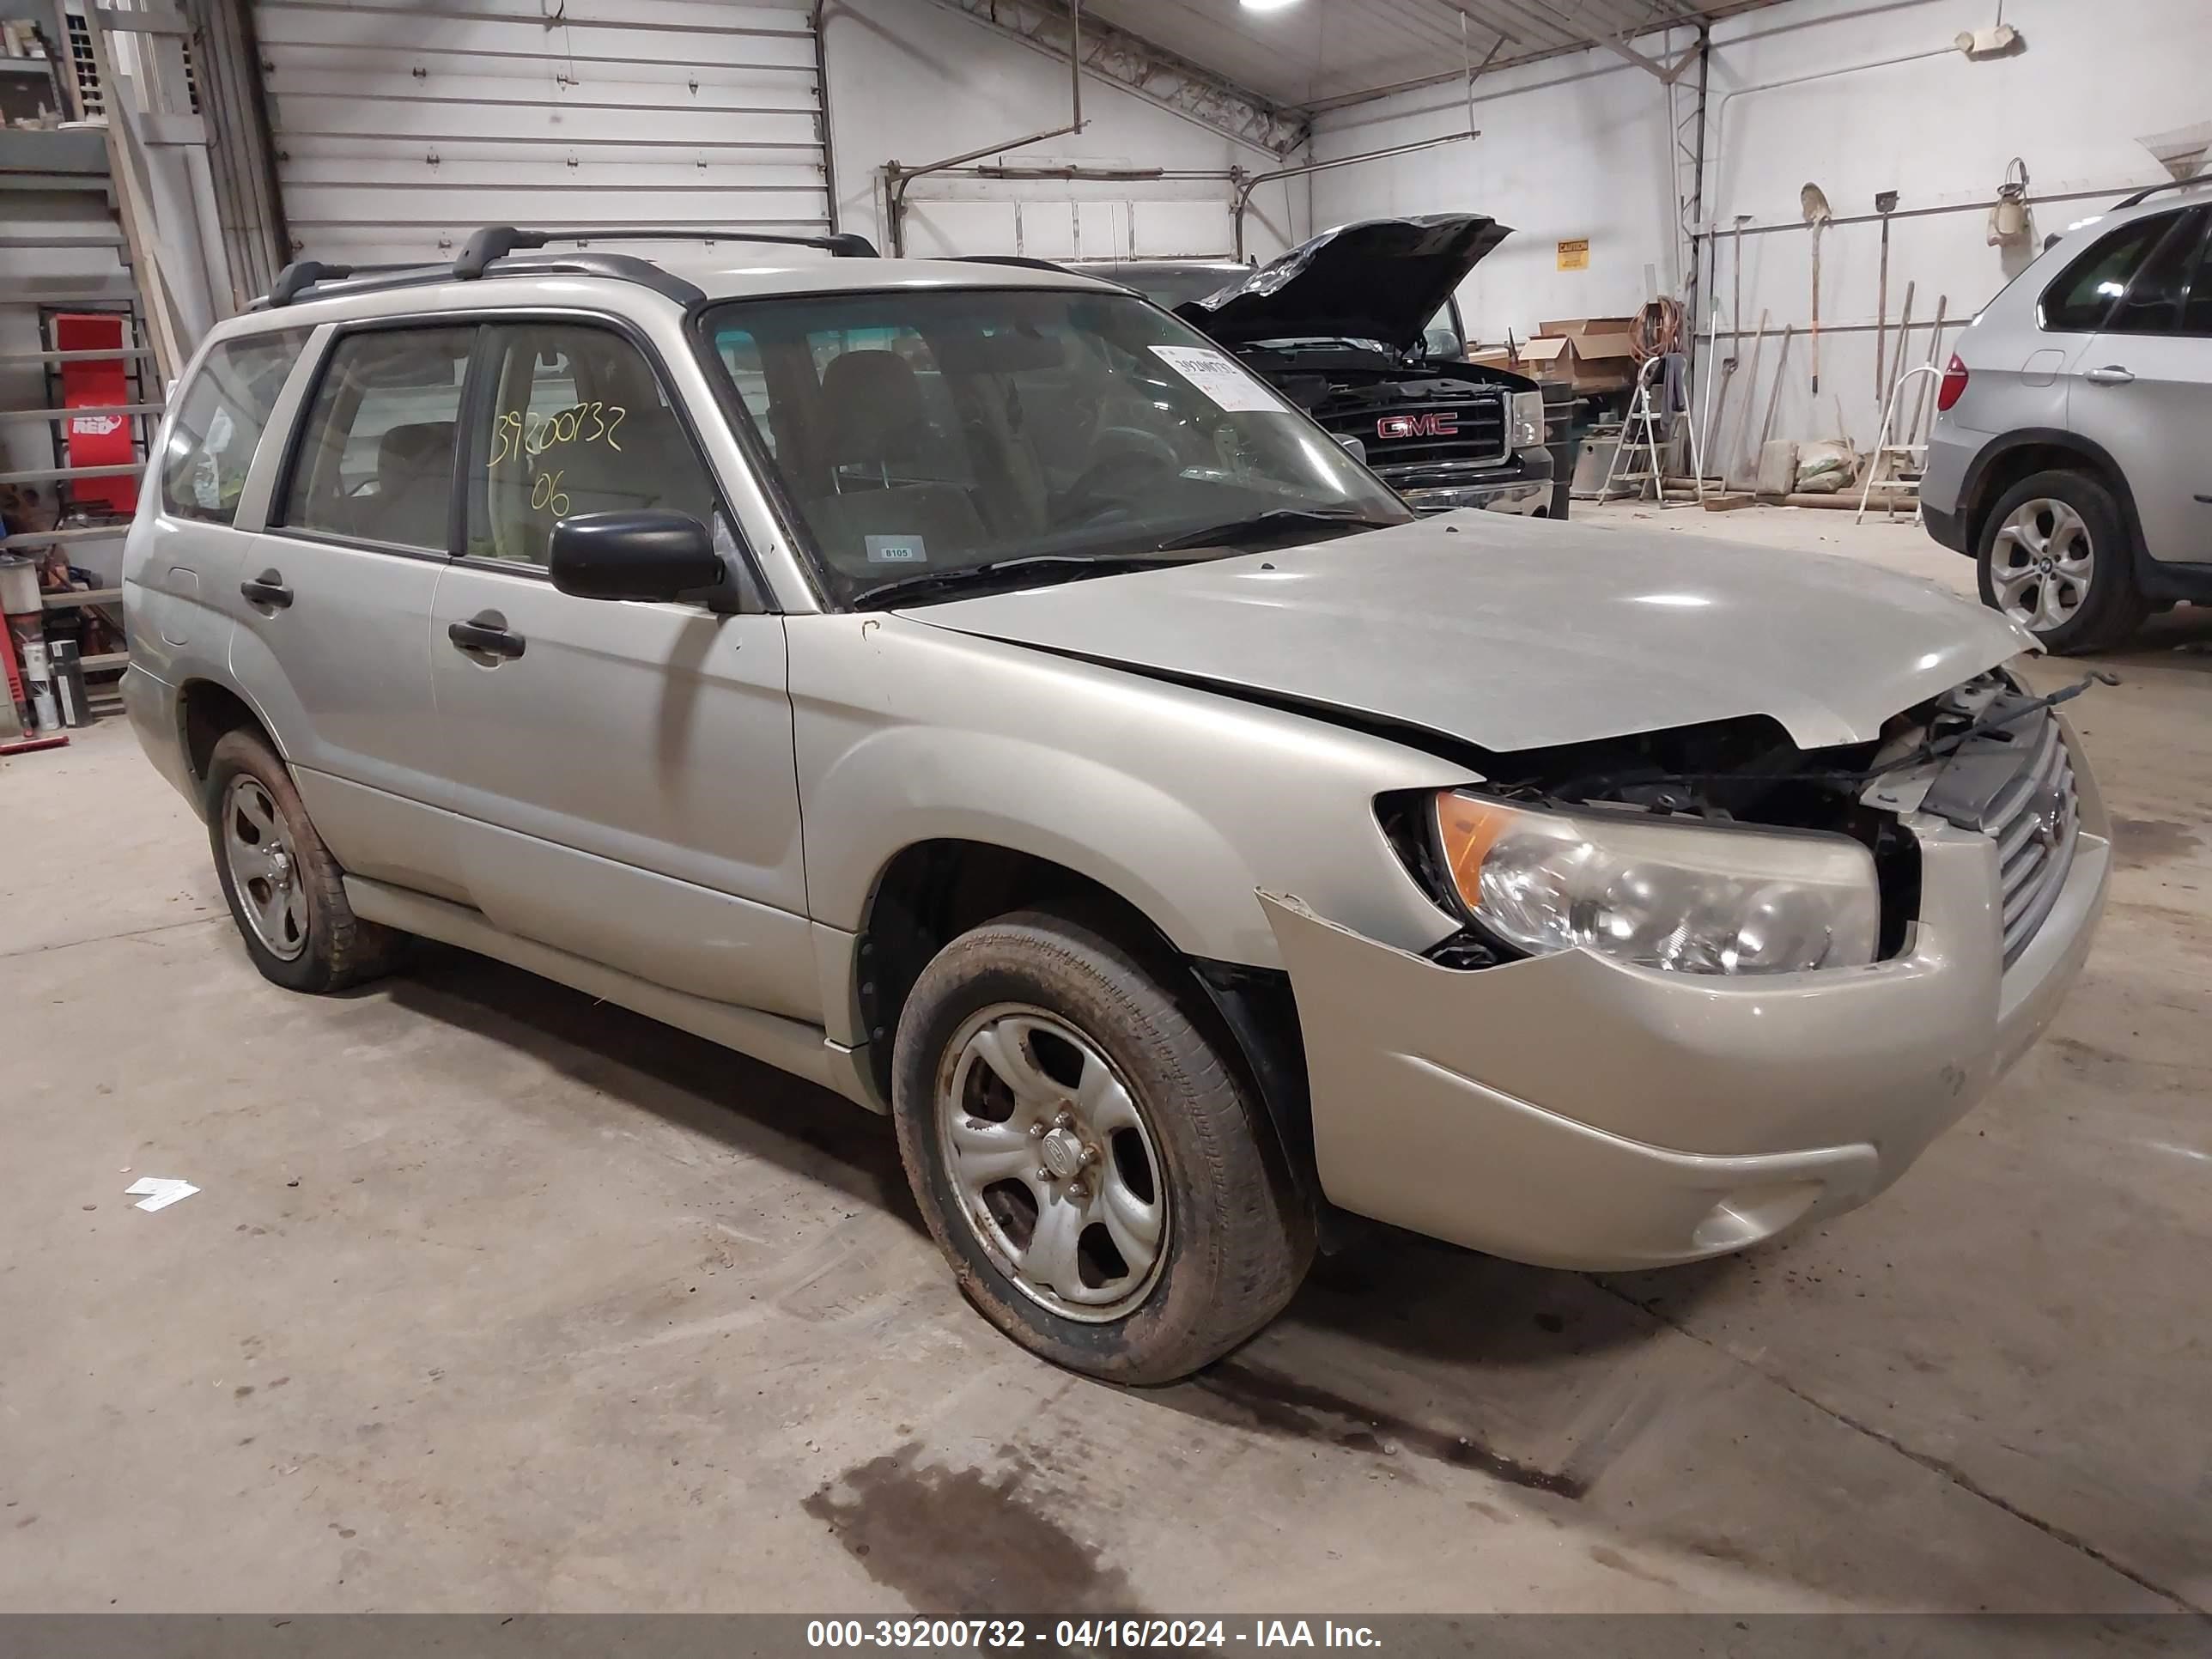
x,y
71,601
106,659
52,474
74,534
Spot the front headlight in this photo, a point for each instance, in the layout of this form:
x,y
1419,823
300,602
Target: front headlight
x,y
1660,893
1527,420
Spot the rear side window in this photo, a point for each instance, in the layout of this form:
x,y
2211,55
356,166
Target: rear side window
x,y
2154,301
220,421
376,459
2081,298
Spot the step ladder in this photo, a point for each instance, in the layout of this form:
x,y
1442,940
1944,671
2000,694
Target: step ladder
x,y
1639,432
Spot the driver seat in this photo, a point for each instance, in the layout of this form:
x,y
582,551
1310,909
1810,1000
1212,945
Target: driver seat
x,y
874,436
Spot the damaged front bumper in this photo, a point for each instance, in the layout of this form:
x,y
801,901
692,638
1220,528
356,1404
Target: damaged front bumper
x,y
1576,1111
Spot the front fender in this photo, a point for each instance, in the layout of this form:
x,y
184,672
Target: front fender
x,y
1182,801
1124,832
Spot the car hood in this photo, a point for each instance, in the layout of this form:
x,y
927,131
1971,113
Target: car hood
x,y
1512,635
1380,279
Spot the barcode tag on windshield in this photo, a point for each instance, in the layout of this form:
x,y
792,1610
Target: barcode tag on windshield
x,y
1222,379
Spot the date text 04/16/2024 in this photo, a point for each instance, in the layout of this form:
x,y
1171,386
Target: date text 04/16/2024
x,y
1086,1634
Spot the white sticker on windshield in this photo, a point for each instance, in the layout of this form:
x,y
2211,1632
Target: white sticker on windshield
x,y
894,549
1220,378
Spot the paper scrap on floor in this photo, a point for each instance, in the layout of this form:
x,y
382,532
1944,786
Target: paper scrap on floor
x,y
160,1192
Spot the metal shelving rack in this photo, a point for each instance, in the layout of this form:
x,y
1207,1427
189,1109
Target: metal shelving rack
x,y
45,164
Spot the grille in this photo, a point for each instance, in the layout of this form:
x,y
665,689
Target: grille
x,y
1477,431
2035,819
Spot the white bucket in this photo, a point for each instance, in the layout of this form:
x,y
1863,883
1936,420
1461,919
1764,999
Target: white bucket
x,y
19,585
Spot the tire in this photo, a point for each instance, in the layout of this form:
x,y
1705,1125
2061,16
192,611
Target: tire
x,y
298,927
2043,530
1072,1011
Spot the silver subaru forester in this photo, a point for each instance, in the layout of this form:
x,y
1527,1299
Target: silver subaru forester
x,y
967,688
2070,455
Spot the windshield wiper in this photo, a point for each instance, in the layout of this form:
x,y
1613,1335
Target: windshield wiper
x,y
1261,526
920,582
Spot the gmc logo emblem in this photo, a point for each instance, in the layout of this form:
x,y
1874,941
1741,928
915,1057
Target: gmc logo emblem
x,y
1438,423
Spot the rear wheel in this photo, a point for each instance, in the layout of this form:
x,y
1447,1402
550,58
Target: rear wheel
x,y
285,891
1090,1166
2057,559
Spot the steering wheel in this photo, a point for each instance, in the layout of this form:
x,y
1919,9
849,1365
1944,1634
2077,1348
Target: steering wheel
x,y
1136,460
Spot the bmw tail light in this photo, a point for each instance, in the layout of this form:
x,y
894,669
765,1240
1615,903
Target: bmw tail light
x,y
1953,387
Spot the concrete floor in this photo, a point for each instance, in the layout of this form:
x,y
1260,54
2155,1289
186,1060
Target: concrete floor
x,y
496,1299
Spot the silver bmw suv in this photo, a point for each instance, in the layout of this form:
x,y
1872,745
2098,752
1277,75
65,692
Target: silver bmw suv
x,y
967,688
2070,455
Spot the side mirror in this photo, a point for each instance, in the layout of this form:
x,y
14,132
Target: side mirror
x,y
1353,447
651,554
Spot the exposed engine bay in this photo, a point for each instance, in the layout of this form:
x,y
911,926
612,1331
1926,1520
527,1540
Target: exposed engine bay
x,y
1985,756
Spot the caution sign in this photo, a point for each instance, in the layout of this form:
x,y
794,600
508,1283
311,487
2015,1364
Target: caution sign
x,y
1575,255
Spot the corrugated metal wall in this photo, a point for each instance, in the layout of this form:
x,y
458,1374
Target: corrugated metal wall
x,y
957,216
400,126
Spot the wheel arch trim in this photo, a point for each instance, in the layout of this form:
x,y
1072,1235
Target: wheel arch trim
x,y
1977,499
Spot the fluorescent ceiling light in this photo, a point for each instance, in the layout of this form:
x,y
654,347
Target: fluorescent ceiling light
x,y
1266,5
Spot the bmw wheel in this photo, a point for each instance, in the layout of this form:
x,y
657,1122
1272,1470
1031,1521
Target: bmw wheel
x,y
2056,557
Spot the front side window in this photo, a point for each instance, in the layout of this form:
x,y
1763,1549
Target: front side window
x,y
935,432
220,421
2154,300
578,423
2085,291
376,461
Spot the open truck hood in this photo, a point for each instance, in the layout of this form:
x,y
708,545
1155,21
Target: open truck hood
x,y
1380,279
1514,637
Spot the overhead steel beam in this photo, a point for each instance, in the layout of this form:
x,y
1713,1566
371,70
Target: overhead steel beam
x,y
1585,34
1126,60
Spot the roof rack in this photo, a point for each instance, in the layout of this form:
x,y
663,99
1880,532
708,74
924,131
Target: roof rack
x,y
2145,194
494,244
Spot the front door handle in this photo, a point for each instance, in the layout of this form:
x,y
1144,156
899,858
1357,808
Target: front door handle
x,y
487,635
2110,375
268,588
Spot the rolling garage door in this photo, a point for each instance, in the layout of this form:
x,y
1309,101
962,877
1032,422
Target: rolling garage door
x,y
400,126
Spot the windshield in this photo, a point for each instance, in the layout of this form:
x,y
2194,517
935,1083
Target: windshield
x,y
931,432
1441,338
1176,285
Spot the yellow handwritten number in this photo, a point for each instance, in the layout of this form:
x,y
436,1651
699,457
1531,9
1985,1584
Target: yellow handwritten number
x,y
546,493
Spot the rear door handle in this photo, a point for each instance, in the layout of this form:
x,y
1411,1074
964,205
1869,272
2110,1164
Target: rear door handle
x,y
487,633
2110,375
268,588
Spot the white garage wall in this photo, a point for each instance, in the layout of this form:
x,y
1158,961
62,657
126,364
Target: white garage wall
x,y
1577,147
912,82
400,126
1571,147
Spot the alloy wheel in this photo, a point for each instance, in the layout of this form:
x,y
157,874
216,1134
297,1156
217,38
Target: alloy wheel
x,y
264,871
2041,564
1052,1164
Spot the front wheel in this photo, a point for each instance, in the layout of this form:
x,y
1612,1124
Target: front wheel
x,y
2056,558
1092,1167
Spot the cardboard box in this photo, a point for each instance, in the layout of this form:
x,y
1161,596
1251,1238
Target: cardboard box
x,y
1595,353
